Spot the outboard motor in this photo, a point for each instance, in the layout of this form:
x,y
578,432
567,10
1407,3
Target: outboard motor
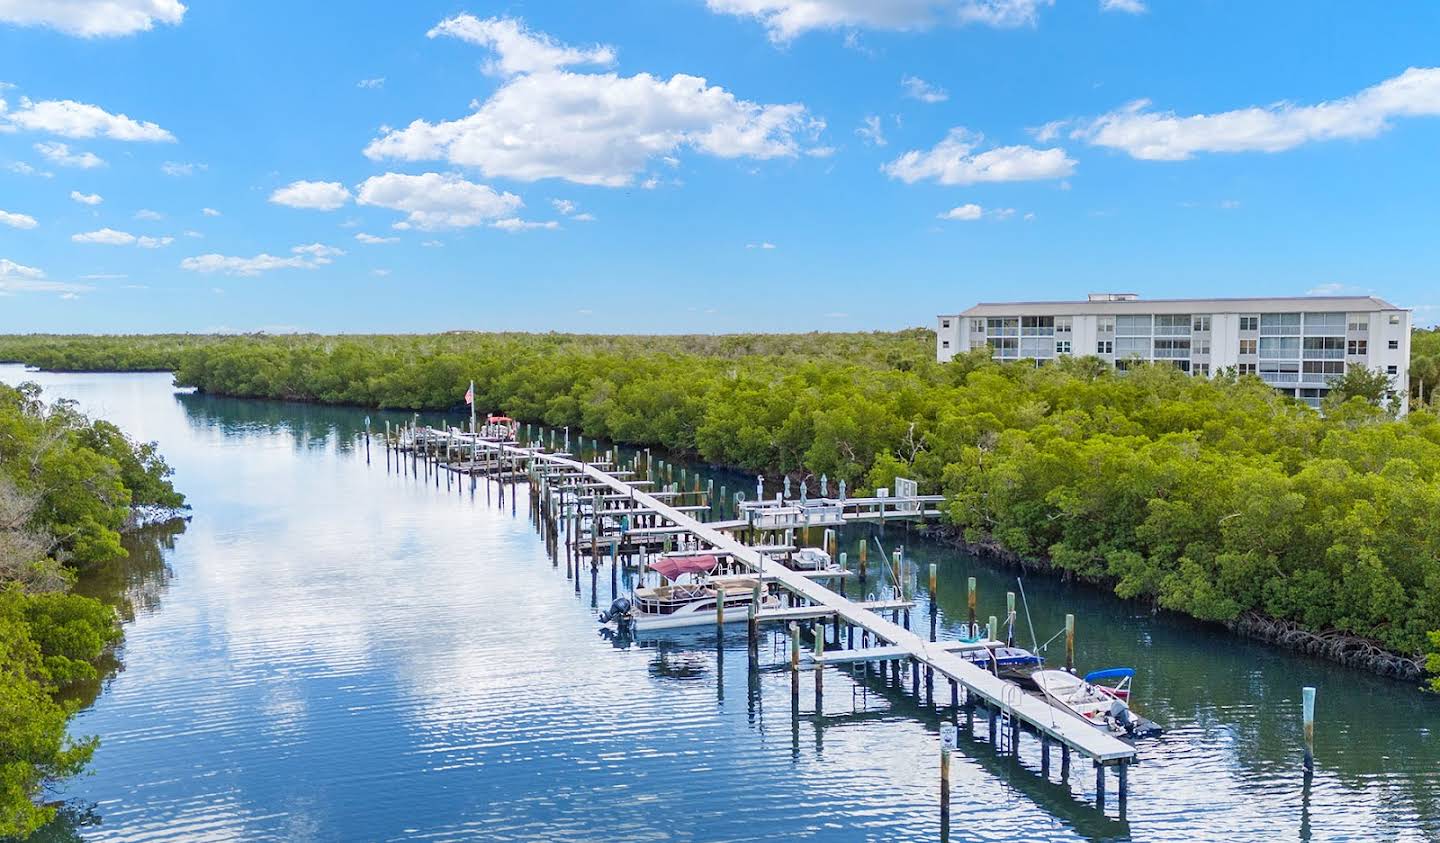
x,y
619,611
1120,713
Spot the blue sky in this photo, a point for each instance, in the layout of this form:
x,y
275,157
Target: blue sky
x,y
843,165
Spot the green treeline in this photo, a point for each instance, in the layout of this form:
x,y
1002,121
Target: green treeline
x,y
1214,497
68,487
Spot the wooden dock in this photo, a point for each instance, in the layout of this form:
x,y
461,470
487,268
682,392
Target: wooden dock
x,y
564,490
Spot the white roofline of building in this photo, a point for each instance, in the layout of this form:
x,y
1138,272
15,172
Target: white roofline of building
x,y
1265,304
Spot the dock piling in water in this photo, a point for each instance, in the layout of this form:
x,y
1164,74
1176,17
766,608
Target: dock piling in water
x,y
1307,712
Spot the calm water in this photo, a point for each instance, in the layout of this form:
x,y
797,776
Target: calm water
x,y
331,651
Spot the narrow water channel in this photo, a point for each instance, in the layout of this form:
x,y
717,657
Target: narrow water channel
x,y
333,651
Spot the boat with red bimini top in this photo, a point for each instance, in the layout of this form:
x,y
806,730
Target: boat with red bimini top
x,y
499,429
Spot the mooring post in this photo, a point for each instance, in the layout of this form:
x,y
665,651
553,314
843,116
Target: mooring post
x,y
844,569
863,565
1070,643
1123,772
720,612
1065,762
820,667
1044,756
934,607
1307,712
1100,787
794,666
993,628
1009,619
970,599
753,622
948,742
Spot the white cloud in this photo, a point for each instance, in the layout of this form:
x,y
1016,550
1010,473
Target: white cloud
x,y
969,211
210,212
190,232
181,168
954,161
59,153
1166,136
71,119
371,239
17,220
1049,131
564,206
86,198
764,246
380,273
316,195
105,236
513,224
153,242
92,18
519,49
1132,7
25,169
431,244
432,200
583,217
377,82
785,19
600,129
309,256
18,278
147,214
871,131
106,276
1335,288
918,89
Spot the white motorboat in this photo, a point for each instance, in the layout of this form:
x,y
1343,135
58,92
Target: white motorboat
x,y
810,559
499,429
1105,707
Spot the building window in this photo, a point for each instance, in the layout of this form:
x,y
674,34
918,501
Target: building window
x,y
1246,368
1132,326
977,326
1105,324
1062,346
1248,346
1280,324
1394,319
1249,323
1105,347
1359,325
944,323
1324,348
1392,370
1394,345
1063,325
1202,370
944,343
1037,347
1200,324
1004,347
1280,347
1172,349
1323,367
1037,326
1172,325
1324,323
1003,327
1202,346
1358,347
1133,347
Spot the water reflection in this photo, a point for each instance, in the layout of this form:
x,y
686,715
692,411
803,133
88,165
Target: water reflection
x,y
337,652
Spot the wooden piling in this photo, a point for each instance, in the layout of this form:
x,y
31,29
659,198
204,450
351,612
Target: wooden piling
x,y
1010,619
819,668
1100,787
720,612
970,599
1070,643
948,742
1307,713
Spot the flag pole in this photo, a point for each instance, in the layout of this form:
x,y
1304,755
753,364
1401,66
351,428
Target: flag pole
x,y
472,407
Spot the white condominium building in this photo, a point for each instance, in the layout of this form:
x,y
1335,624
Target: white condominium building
x,y
1296,345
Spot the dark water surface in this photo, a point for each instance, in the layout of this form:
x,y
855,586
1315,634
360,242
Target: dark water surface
x,y
333,652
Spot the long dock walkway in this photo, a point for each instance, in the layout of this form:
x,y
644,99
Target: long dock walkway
x,y
890,640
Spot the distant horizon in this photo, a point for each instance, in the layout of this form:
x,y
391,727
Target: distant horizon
x,y
764,167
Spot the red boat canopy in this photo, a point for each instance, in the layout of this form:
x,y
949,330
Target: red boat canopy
x,y
498,419
671,567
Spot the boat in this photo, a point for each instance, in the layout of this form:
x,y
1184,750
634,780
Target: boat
x,y
678,605
1106,707
1013,663
810,559
499,429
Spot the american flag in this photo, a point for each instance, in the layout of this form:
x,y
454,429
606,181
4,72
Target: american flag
x,y
470,394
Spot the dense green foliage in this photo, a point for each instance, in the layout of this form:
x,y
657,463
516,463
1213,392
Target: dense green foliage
x,y
68,486
1215,497
1425,364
